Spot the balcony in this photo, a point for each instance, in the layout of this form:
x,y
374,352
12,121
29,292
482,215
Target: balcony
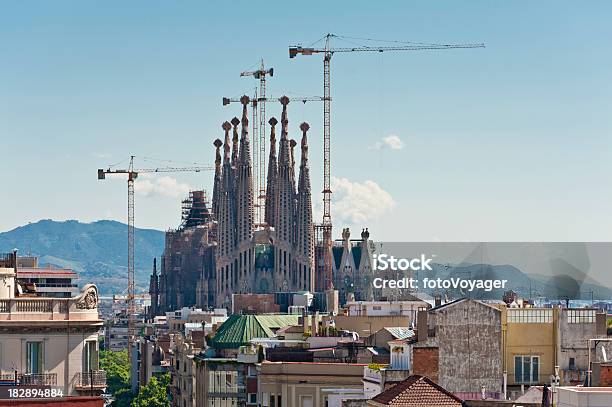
x,y
29,379
94,379
83,307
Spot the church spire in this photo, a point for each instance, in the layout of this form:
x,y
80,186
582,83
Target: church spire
x,y
154,291
226,217
285,200
244,181
235,123
217,182
304,229
272,175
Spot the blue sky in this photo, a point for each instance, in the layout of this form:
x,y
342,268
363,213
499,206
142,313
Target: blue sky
x,y
511,142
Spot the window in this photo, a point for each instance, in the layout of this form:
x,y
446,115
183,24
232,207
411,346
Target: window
x,y
580,316
526,369
252,371
279,401
572,363
252,398
530,316
305,401
90,356
272,400
34,356
376,308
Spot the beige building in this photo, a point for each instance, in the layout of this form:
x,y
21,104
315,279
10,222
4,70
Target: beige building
x,y
302,384
182,369
49,342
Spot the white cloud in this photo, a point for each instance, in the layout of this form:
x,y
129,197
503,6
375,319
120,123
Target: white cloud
x,y
162,186
392,142
355,203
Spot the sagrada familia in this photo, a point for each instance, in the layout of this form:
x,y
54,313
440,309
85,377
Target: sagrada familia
x,y
219,251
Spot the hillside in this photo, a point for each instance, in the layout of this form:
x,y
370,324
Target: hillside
x,y
526,285
97,250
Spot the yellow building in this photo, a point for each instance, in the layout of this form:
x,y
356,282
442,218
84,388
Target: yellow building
x,y
529,337
535,340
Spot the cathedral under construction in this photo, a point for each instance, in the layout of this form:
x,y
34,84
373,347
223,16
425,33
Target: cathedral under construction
x,y
220,250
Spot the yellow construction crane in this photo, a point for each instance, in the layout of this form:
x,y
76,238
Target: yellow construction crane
x,y
325,228
132,174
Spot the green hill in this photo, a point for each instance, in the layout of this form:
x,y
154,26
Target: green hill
x,y
97,250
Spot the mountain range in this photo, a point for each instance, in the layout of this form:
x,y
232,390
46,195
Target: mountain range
x,y
96,250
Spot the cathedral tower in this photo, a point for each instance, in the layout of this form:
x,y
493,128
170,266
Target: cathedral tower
x,y
272,176
304,253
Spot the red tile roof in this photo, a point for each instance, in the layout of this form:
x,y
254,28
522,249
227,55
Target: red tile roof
x,y
417,391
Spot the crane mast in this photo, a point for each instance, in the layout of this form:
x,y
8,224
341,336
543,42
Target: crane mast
x,y
259,141
323,231
326,225
132,174
131,306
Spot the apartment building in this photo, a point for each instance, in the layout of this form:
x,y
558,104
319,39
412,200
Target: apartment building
x,y
538,339
303,384
183,371
49,282
49,343
459,346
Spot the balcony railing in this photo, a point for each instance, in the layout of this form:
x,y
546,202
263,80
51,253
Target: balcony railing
x,y
29,379
91,379
84,307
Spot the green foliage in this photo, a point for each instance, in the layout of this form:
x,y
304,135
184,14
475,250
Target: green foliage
x,y
117,369
154,394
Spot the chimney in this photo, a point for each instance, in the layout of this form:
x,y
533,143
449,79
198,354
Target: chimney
x,y
15,260
601,324
437,300
422,325
305,321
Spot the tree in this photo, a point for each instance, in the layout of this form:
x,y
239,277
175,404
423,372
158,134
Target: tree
x,y
155,393
117,368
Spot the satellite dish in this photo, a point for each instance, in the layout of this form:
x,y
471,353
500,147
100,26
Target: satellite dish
x,y
603,352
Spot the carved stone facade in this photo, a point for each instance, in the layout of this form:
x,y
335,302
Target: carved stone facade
x,y
352,267
277,256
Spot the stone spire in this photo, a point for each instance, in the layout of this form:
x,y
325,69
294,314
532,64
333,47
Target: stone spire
x,y
244,181
303,224
217,182
226,217
154,290
292,144
285,185
235,123
272,175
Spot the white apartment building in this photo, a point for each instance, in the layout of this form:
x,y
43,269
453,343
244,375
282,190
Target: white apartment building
x,y
50,343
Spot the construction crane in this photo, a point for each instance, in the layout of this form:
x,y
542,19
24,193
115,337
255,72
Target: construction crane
x,y
132,174
259,140
259,159
325,228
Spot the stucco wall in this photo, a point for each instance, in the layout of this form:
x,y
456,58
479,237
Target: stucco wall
x,y
63,354
469,337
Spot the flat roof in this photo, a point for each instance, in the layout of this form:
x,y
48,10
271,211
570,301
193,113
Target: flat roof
x,y
582,389
40,271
